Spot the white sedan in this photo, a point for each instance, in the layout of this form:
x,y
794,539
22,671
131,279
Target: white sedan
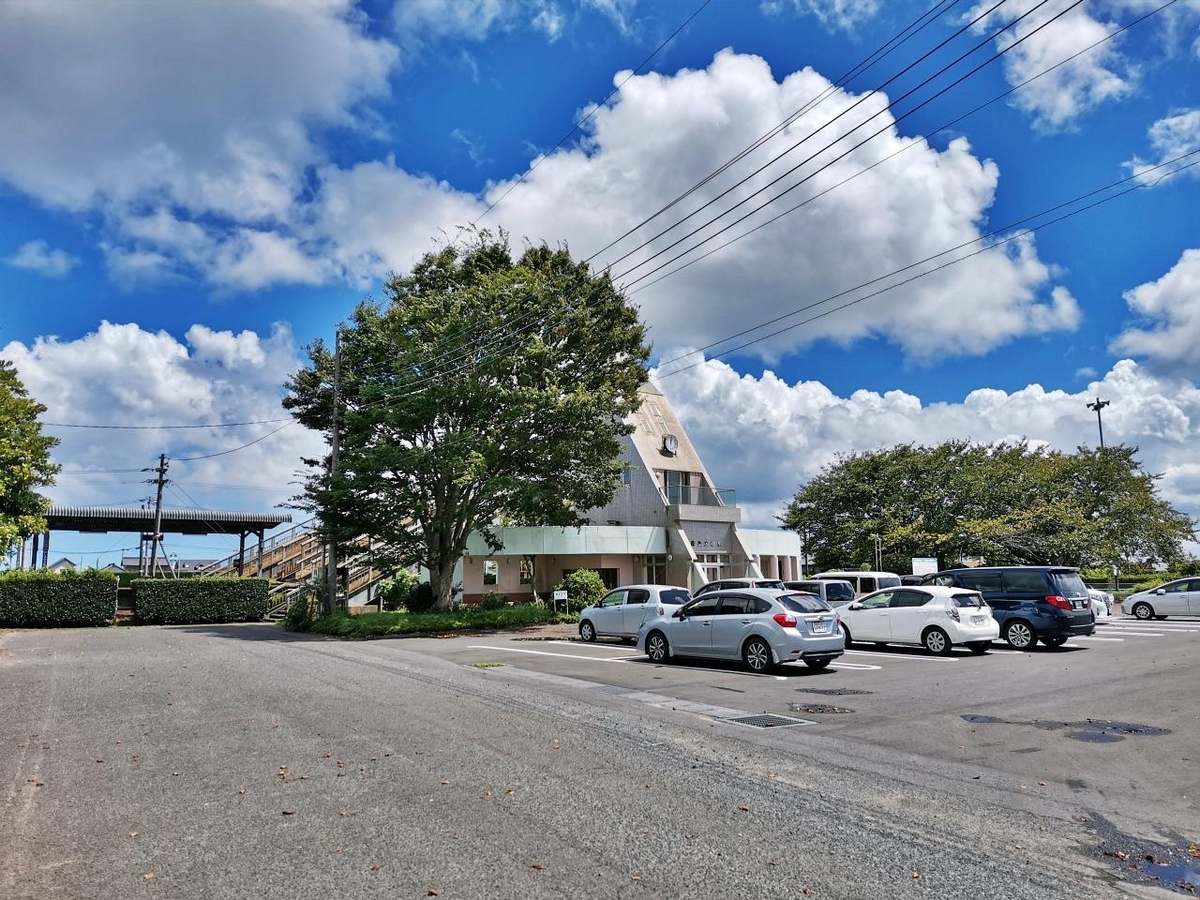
x,y
938,618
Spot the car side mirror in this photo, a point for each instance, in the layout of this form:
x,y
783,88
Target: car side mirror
x,y
678,614
1161,591
855,605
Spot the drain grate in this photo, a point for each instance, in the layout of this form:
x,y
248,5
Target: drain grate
x,y
832,692
769,720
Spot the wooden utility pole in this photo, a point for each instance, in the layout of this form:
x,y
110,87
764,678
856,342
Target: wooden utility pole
x,y
331,570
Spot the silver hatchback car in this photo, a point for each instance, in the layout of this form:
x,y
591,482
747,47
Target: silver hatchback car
x,y
621,612
762,627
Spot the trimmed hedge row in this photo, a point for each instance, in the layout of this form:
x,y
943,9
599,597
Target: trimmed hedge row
x,y
195,601
41,599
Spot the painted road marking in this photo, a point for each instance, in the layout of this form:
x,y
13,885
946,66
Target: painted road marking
x,y
614,659
939,659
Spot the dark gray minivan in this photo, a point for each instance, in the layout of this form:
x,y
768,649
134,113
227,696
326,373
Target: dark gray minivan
x,y
1031,603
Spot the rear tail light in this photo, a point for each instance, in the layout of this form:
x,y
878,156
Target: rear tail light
x,y
787,621
952,612
1060,602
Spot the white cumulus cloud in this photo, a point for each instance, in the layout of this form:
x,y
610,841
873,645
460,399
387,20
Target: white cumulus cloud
x,y
1168,310
37,256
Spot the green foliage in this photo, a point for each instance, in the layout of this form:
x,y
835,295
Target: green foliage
x,y
395,590
41,599
24,462
584,587
302,611
420,598
1005,503
443,432
491,601
370,625
178,601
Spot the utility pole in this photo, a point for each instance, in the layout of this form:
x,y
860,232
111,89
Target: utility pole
x,y
331,571
1097,406
156,538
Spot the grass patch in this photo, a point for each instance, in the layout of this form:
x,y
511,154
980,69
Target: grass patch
x,y
390,624
486,665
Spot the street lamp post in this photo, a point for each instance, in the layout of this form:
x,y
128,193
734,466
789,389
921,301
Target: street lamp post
x,y
1097,406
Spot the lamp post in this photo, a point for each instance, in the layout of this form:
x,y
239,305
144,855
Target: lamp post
x,y
1097,406
878,552
804,506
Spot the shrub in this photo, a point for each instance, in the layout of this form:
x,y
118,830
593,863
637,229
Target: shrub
x,y
420,598
492,601
191,601
397,589
583,586
301,611
44,599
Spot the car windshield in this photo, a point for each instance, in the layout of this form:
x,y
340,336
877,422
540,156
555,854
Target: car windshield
x,y
1069,584
974,600
674,598
769,584
803,603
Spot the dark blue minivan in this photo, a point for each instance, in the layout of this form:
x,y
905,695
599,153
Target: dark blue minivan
x,y
1031,603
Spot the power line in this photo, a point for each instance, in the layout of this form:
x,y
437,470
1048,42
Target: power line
x,y
289,423
162,427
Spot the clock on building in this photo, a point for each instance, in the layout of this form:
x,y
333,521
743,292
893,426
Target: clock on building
x,y
670,444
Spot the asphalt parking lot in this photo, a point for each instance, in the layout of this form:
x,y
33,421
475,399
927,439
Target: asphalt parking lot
x,y
1109,717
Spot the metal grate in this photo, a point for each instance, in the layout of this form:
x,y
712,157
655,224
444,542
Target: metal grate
x,y
769,720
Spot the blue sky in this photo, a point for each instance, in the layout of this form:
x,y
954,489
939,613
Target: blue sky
x,y
193,192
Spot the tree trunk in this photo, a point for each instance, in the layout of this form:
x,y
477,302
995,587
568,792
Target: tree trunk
x,y
441,580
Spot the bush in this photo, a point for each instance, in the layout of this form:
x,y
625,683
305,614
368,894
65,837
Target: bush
x,y
373,625
39,599
397,589
491,601
193,601
420,598
584,587
301,611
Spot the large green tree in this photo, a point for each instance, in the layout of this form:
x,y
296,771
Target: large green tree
x,y
1005,503
485,390
24,461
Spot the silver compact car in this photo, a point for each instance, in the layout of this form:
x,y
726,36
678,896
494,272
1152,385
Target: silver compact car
x,y
621,612
762,627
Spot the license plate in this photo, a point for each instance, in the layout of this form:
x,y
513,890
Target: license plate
x,y
1078,604
978,620
821,627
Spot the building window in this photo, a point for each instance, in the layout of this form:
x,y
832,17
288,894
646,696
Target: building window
x,y
491,571
656,570
526,571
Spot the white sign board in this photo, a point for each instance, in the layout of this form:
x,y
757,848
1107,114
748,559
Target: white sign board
x,y
924,565
562,595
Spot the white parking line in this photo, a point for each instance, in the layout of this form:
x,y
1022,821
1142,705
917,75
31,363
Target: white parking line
x,y
616,659
1134,633
940,659
1105,639
857,667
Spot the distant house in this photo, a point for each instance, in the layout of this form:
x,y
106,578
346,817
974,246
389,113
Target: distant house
x,y
63,565
668,524
167,564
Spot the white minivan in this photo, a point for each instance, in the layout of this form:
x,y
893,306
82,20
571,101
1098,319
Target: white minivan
x,y
863,582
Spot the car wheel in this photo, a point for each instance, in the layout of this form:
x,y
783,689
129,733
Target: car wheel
x,y
1143,611
978,647
936,641
817,664
847,640
756,654
657,647
1020,635
587,631
1056,641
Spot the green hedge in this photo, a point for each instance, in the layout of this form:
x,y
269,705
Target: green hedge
x,y
196,601
41,599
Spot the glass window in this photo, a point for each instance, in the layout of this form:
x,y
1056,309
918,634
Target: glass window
x,y
1175,587
637,595
656,570
802,603
981,581
526,571
944,580
878,601
909,599
676,597
705,606
1024,582
967,600
615,598
1069,584
491,571
733,606
758,605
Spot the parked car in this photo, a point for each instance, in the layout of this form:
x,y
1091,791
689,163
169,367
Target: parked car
x,y
864,582
722,584
832,591
621,612
1032,603
1180,597
1102,603
938,618
762,627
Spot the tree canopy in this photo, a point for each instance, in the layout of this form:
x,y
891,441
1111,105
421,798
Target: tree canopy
x,y
485,390
1003,503
25,462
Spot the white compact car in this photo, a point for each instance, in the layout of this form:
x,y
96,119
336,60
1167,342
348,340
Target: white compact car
x,y
1102,603
621,612
1180,597
938,618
